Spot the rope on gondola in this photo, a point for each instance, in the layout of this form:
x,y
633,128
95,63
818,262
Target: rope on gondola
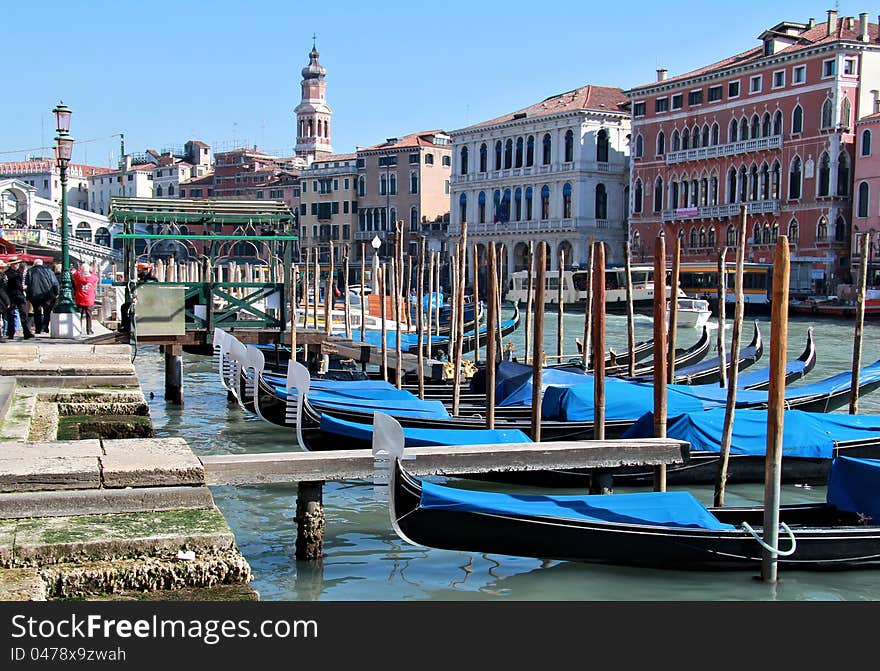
x,y
775,551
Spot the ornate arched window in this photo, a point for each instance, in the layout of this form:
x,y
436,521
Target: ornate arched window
x,y
658,194
413,182
518,157
637,197
528,203
481,207
530,151
517,200
676,141
793,231
508,154
731,236
545,202
569,146
823,185
866,143
462,208
705,140
640,145
464,161
602,146
547,146
822,229
484,155
498,153
694,238
843,174
731,133
702,237
716,131
797,120
566,201
840,230
827,114
845,112
159,191
685,138
756,128
777,123
731,185
794,178
661,143
413,218
766,126
710,242
601,202
864,193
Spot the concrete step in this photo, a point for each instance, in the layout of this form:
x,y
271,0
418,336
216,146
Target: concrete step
x,y
7,391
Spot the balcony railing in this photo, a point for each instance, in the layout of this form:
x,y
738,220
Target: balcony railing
x,y
720,211
729,149
542,226
369,235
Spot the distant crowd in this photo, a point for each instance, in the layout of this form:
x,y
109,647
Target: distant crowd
x,y
28,293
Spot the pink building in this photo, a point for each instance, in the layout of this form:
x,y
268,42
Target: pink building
x,y
866,209
772,128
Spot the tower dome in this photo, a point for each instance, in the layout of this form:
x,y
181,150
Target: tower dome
x,y
314,69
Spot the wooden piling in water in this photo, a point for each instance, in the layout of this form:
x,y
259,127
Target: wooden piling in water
x,y
499,278
538,340
293,302
459,332
316,287
673,313
630,312
477,304
659,353
384,311
491,307
430,319
560,308
310,521
363,292
598,298
866,243
720,346
775,407
586,354
395,307
437,306
306,283
328,294
173,374
346,300
420,318
529,299
732,380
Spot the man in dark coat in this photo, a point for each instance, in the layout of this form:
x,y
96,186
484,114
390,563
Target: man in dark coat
x,y
17,298
4,298
42,292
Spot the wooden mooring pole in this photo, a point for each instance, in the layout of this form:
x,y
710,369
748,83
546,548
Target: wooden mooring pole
x,y
866,243
384,314
720,346
420,319
538,340
459,331
659,353
775,408
630,312
328,295
586,353
363,293
395,307
491,307
598,298
310,521
673,313
347,300
173,374
430,302
477,305
560,308
530,301
732,381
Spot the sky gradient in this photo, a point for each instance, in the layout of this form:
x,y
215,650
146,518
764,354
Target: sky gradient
x,y
228,72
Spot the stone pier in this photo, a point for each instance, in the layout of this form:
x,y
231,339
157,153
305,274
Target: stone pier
x,y
91,504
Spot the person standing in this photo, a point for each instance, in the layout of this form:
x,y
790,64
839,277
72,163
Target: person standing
x,y
5,303
85,285
42,292
17,299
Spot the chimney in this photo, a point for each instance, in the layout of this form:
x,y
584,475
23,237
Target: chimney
x,y
850,22
661,74
876,94
811,23
832,21
863,27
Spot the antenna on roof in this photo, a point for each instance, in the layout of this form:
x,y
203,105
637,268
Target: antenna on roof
x,y
314,40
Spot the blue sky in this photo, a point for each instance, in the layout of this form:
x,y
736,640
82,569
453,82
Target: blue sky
x,y
227,72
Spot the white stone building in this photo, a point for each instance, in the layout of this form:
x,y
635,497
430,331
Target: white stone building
x,y
556,171
45,177
135,181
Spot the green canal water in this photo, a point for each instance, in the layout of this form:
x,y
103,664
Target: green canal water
x,y
365,560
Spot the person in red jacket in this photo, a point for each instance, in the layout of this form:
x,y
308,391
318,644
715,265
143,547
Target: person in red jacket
x,y
85,285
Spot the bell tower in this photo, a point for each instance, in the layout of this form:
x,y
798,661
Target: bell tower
x,y
313,113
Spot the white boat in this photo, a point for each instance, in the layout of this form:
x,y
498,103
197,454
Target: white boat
x,y
692,313
574,288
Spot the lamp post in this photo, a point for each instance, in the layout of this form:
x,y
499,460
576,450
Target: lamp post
x,y
375,243
63,323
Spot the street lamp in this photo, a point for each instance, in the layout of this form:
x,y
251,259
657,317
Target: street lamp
x,y
63,323
375,243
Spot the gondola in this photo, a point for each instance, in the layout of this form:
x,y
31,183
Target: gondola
x,y
810,442
667,530
706,371
641,351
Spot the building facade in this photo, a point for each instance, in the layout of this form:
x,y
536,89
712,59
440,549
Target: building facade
x,y
134,180
405,179
174,167
866,192
44,176
313,114
772,128
328,207
554,171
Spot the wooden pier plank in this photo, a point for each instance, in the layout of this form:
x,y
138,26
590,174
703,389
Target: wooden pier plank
x,y
281,467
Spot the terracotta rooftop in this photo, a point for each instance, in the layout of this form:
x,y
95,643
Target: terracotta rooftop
x,y
204,179
811,37
871,117
423,139
335,157
589,97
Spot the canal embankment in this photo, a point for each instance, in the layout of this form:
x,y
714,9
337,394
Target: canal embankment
x,y
92,505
